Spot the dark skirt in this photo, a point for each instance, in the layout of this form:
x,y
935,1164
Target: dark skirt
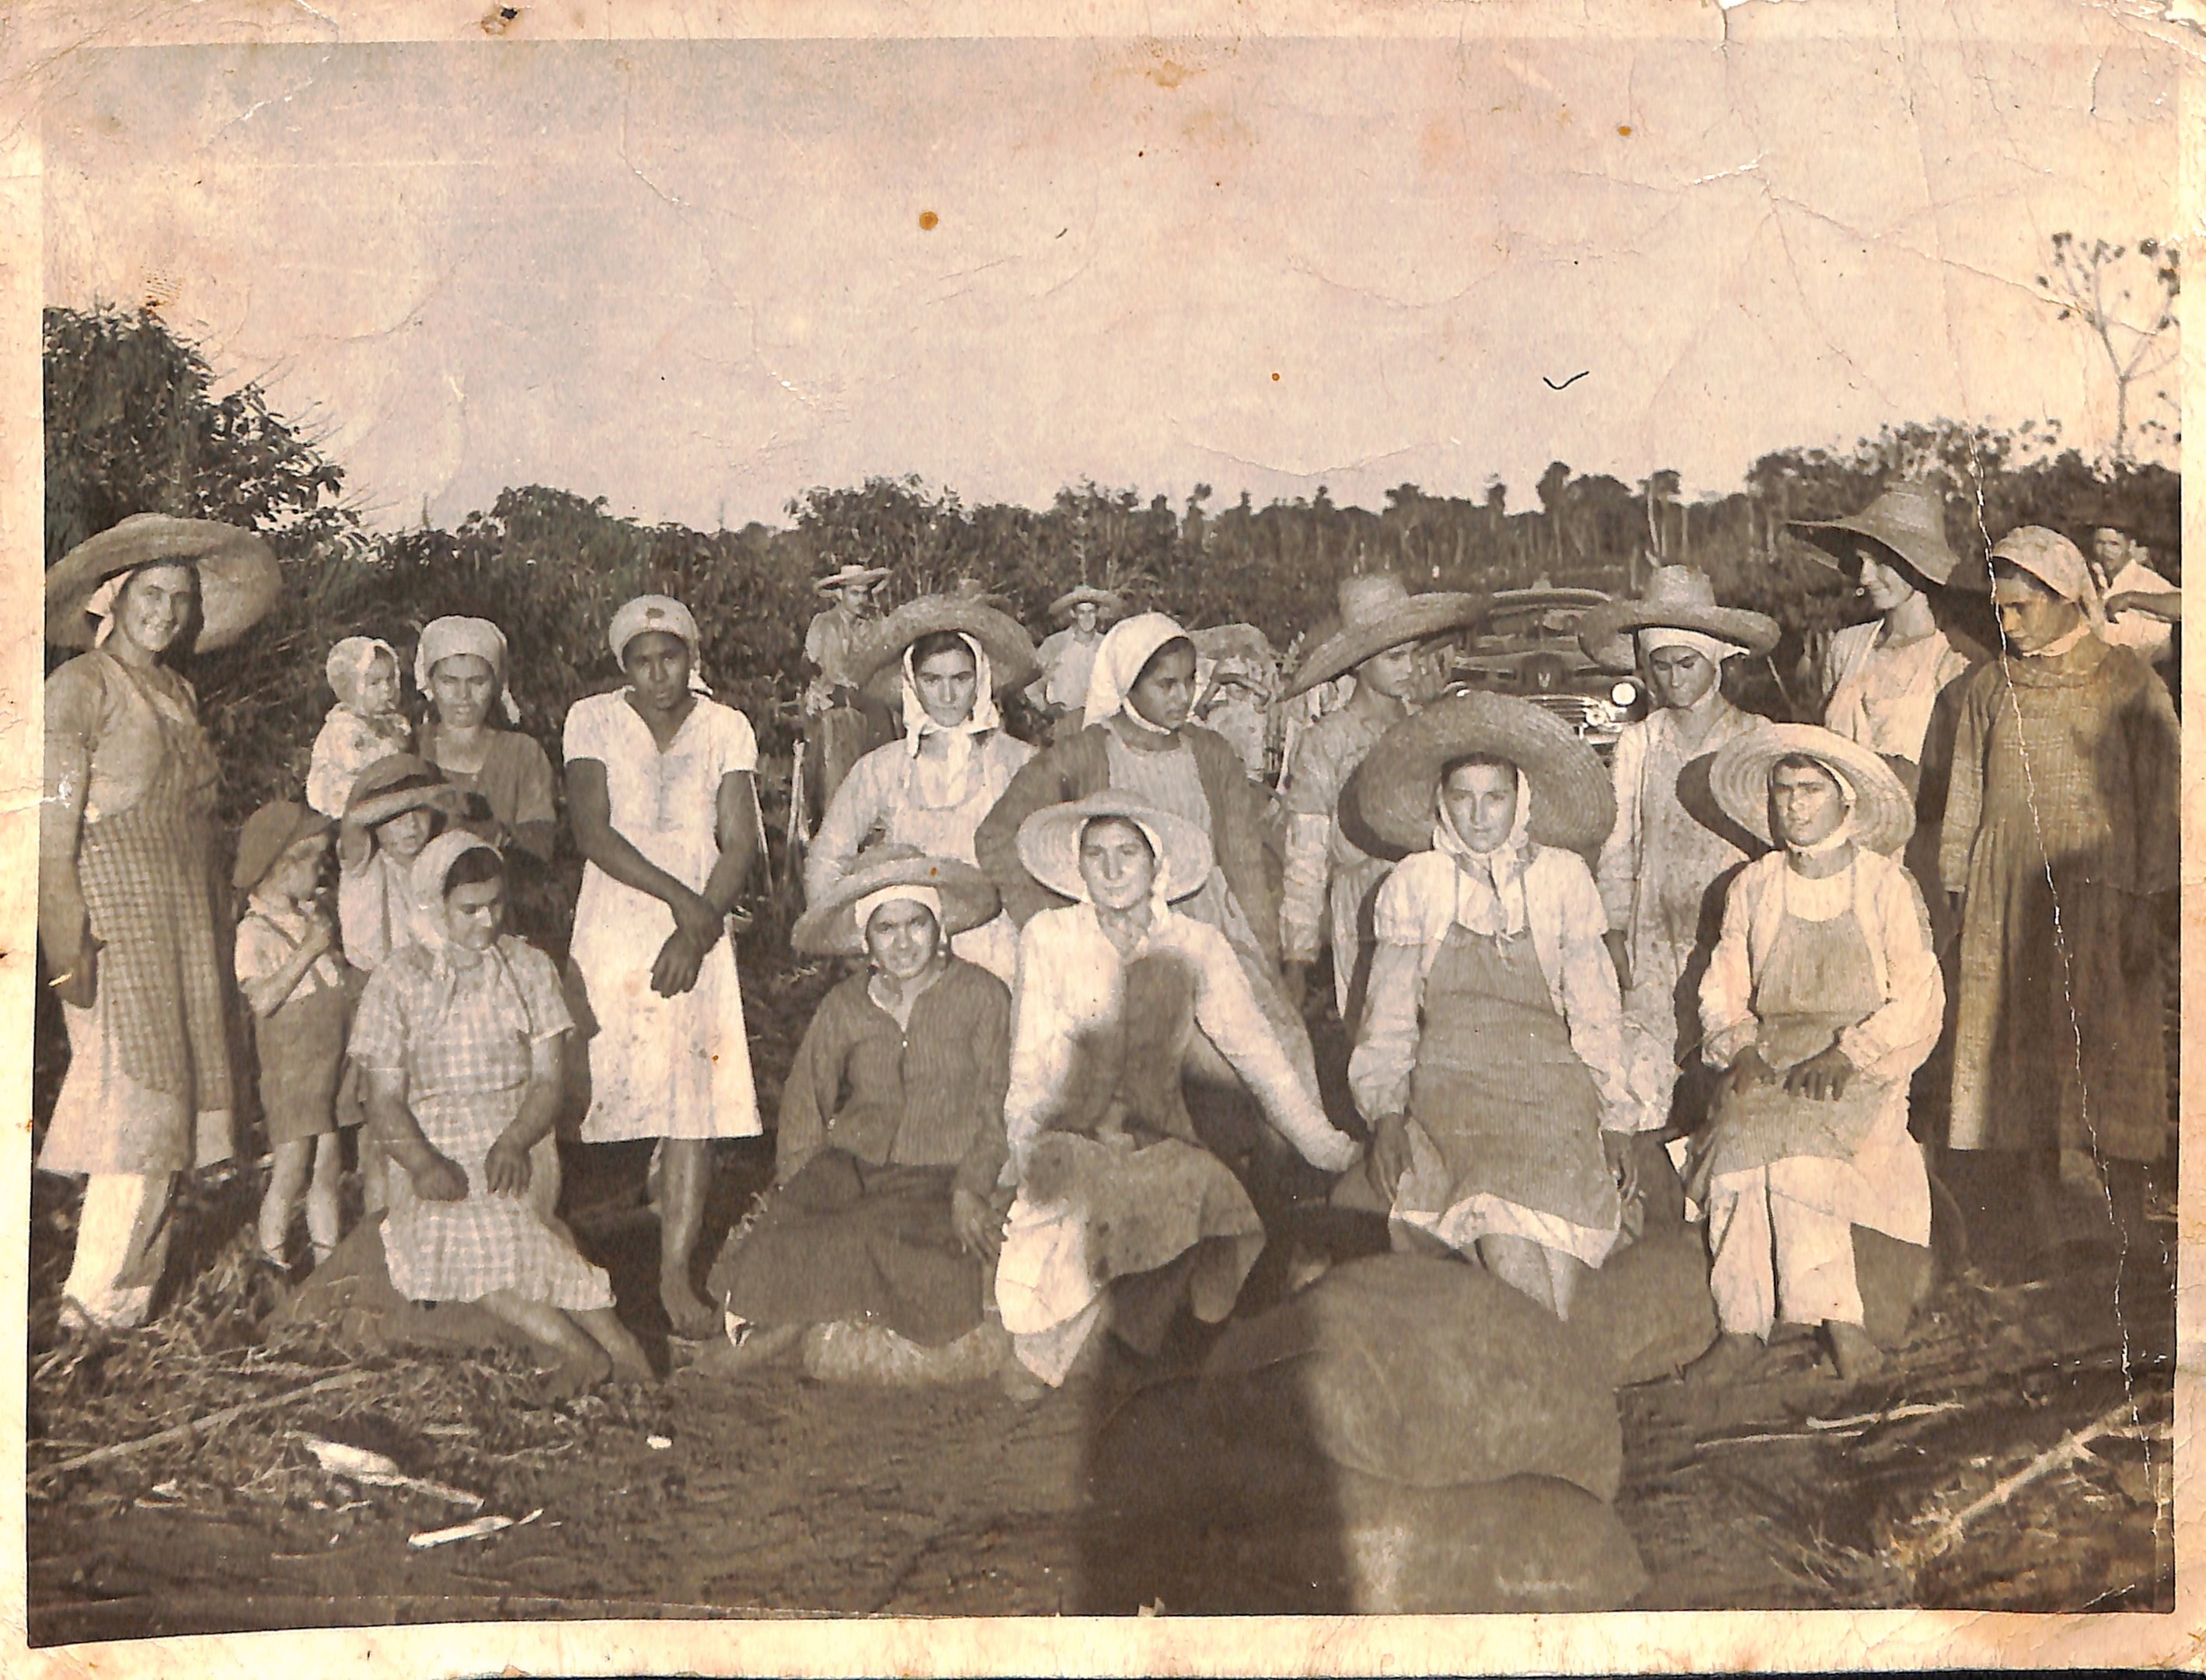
x,y
846,1242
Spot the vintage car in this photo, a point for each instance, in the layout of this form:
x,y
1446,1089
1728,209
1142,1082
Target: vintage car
x,y
1527,645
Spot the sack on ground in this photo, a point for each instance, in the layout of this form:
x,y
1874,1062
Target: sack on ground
x,y
352,1292
1428,1373
1648,1309
875,1354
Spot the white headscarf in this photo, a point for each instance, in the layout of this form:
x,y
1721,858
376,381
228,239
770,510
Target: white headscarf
x,y
349,663
102,606
1489,887
912,891
1715,649
959,737
443,639
2060,565
1132,643
665,614
424,885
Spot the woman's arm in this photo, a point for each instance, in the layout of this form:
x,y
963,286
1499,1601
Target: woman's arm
x,y
1041,780
991,1056
852,815
506,1168
65,928
1899,1038
1965,788
1727,996
809,1095
1593,1006
589,800
1041,1046
536,809
1226,1009
436,1178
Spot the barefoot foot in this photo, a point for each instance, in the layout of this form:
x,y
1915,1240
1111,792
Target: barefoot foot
x,y
690,1318
577,1373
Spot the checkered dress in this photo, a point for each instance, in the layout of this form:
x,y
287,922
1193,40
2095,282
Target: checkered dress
x,y
460,1037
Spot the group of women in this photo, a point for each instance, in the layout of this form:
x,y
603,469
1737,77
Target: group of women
x,y
1068,1072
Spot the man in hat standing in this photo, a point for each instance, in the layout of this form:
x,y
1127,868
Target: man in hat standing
x,y
1661,860
1068,654
835,730
1330,881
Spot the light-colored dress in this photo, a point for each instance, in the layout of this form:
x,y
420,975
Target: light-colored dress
x,y
1506,1054
1330,881
1803,965
347,744
459,1035
1880,695
659,1067
894,797
1657,867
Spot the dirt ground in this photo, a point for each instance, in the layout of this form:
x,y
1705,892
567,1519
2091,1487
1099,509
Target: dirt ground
x,y
779,1496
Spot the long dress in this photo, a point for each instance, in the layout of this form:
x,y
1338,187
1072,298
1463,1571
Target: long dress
x,y
1656,868
894,797
881,1124
1113,1180
1330,883
1506,1054
460,1036
659,1067
1803,965
2060,814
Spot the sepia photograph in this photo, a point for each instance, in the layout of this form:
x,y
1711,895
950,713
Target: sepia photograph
x,y
1317,817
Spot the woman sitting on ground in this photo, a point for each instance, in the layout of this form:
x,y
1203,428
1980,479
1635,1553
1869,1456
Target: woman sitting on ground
x,y
1490,1063
458,1035
1113,1182
892,1129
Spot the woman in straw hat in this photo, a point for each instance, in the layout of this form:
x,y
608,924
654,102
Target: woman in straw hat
x,y
1882,679
1821,999
127,903
1330,881
460,665
1138,741
947,659
1491,1061
459,1037
884,1208
2061,837
659,782
836,730
1660,860
1068,654
1114,1181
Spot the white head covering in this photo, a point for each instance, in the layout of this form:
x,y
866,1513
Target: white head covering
x,y
1132,643
983,718
1715,649
665,614
424,885
2060,565
102,606
1489,887
915,892
349,663
443,638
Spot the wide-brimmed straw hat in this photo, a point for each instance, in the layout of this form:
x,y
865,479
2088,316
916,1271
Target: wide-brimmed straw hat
x,y
1678,598
1909,519
830,928
851,573
1377,612
1049,842
1739,776
1109,604
877,661
269,833
1395,788
239,579
396,785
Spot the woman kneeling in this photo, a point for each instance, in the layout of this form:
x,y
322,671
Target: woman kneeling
x,y
458,1038
891,1126
1491,1061
1113,1182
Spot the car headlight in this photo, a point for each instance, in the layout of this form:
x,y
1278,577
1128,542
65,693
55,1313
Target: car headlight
x,y
1624,694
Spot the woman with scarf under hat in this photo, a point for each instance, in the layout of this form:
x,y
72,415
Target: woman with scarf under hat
x,y
659,782
1137,741
129,914
1820,1000
2061,838
1114,1182
930,790
460,666
1491,1061
1660,860
884,1214
458,1035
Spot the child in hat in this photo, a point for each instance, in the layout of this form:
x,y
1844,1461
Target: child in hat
x,y
294,987
365,724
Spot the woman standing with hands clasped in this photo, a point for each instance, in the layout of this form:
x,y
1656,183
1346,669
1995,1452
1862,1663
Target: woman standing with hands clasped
x,y
659,782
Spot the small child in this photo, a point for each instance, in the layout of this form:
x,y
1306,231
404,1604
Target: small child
x,y
294,987
365,724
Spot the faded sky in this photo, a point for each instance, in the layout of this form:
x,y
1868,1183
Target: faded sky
x,y
694,277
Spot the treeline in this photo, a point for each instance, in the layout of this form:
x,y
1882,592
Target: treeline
x,y
133,425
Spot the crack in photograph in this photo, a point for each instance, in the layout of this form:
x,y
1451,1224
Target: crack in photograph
x,y
1238,825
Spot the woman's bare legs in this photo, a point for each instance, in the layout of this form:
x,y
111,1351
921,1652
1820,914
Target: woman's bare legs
x,y
287,1184
687,1175
324,1218
584,1362
602,1326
